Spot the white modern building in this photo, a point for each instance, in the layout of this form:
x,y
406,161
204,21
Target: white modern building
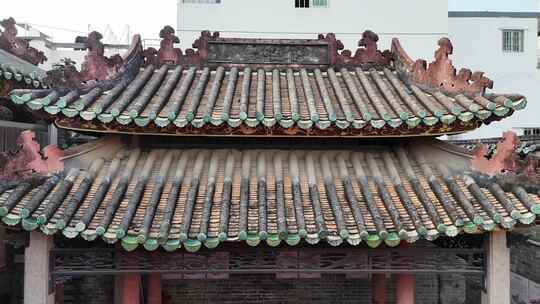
x,y
496,36
307,18
500,37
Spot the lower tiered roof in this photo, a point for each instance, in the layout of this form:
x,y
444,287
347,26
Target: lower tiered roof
x,y
335,193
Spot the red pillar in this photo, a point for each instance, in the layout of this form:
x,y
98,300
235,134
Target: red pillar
x,y
131,289
59,294
378,282
154,288
405,289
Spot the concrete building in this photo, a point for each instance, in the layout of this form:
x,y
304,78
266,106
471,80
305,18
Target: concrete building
x,y
477,29
500,37
346,18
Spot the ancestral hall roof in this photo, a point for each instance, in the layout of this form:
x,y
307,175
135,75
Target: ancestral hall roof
x,y
200,196
232,86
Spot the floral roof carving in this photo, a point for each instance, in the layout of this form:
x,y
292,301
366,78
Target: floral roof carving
x,y
441,73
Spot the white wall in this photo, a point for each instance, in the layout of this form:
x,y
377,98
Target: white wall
x,y
418,23
493,5
478,46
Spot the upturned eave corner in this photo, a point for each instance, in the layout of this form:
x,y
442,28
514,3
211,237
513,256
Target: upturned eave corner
x,y
440,74
97,70
504,168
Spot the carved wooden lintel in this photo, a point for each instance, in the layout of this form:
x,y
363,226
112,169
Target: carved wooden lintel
x,y
16,46
440,75
505,160
28,161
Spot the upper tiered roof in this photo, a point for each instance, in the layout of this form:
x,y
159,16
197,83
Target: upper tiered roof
x,y
280,87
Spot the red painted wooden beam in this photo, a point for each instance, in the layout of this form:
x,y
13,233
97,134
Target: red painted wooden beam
x,y
405,289
131,289
154,288
378,283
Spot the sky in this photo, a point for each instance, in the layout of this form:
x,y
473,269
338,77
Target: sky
x,y
66,19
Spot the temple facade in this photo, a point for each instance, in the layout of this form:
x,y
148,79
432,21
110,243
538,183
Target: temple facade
x,y
250,170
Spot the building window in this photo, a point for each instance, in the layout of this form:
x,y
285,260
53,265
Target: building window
x,y
320,3
513,41
301,3
202,1
310,3
531,131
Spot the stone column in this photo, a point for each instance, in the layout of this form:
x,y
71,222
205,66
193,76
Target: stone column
x,y
36,270
131,289
53,135
154,288
405,289
498,270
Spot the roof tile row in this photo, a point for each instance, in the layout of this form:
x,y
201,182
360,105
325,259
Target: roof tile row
x,y
346,99
176,197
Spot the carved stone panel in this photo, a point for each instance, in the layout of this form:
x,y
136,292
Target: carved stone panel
x,y
260,51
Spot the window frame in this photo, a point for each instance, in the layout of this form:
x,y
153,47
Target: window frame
x,y
513,40
311,3
319,3
301,3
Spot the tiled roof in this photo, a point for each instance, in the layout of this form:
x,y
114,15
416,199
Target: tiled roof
x,y
14,68
183,99
192,197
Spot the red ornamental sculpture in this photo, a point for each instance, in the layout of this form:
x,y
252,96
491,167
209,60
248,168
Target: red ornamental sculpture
x,y
18,47
505,159
96,66
167,53
367,54
28,161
